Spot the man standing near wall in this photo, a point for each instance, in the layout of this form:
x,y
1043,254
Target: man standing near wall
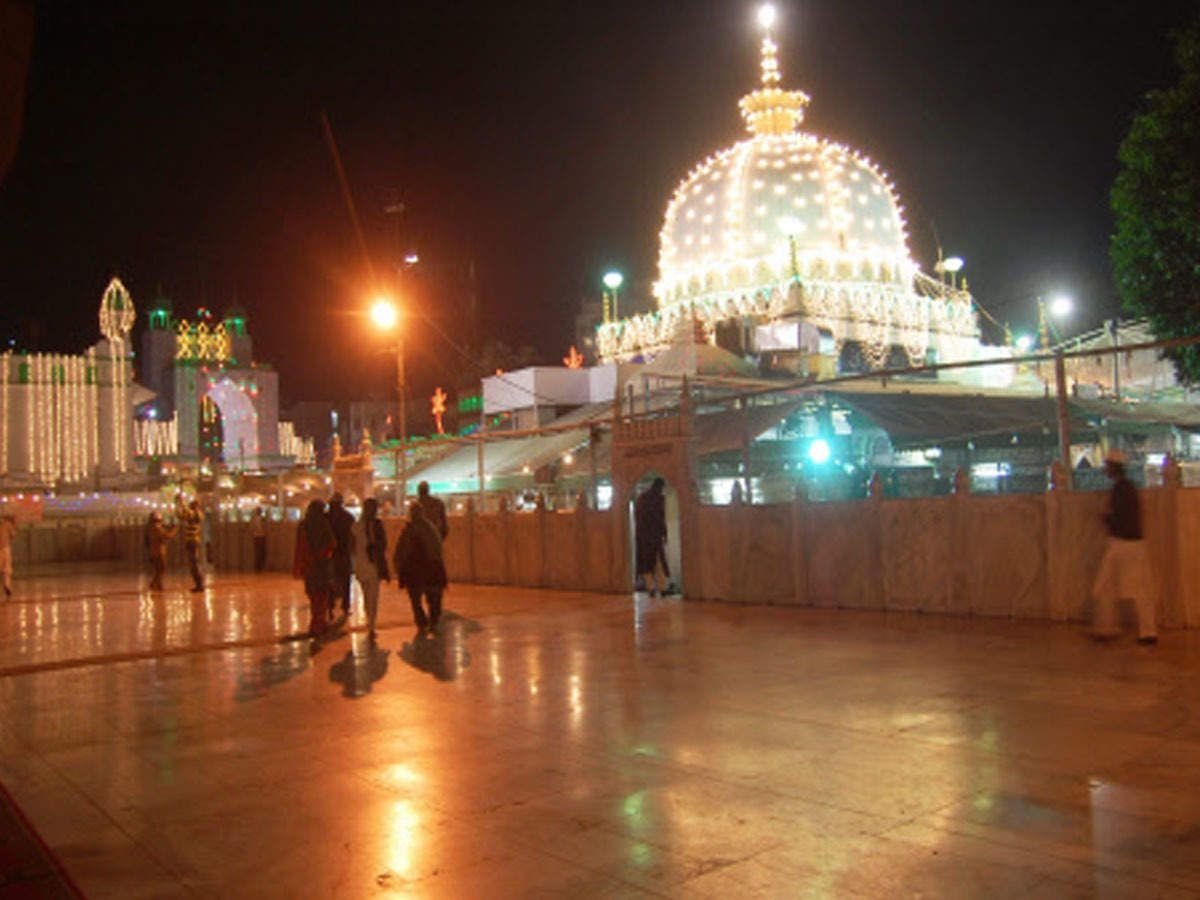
x,y
8,530
650,538
258,532
191,519
1125,569
435,510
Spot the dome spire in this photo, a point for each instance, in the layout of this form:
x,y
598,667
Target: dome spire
x,y
770,109
770,59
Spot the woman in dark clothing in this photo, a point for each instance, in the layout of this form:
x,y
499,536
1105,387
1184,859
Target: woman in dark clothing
x,y
420,568
650,536
314,563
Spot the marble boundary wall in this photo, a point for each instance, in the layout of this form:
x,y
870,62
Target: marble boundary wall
x,y
1028,556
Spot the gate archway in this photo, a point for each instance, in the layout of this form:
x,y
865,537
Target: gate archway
x,y
644,447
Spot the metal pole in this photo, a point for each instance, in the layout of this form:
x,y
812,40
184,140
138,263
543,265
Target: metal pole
x,y
1064,425
402,475
479,454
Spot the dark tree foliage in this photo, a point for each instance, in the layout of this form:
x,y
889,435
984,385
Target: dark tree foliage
x,y
1155,250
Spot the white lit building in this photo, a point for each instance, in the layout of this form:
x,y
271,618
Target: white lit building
x,y
68,419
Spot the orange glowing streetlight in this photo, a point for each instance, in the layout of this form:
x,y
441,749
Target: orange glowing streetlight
x,y
385,315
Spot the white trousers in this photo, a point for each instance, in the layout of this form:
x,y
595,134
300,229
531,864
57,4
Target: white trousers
x,y
370,594
1124,575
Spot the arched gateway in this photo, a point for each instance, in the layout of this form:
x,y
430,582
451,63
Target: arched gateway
x,y
656,445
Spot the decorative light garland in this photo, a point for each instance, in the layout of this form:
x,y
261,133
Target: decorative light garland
x,y
724,252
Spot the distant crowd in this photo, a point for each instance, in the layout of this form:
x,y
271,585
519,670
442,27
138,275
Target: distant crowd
x,y
331,549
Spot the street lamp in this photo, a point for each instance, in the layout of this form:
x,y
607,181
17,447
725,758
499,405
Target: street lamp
x,y
949,268
613,281
386,316
1059,307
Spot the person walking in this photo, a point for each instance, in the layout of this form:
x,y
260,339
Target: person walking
x,y
313,562
435,510
420,568
1125,568
191,519
342,524
258,533
370,559
8,530
650,537
158,536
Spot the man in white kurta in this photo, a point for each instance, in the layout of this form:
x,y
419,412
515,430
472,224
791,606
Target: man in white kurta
x,y
1125,569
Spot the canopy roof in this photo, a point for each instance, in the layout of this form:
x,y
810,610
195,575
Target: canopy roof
x,y
921,419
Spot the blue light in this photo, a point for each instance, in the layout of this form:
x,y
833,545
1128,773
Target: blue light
x,y
818,451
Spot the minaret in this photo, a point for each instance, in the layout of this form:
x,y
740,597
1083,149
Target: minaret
x,y
114,433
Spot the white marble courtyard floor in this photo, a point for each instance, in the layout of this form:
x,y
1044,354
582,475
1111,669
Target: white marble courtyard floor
x,y
579,745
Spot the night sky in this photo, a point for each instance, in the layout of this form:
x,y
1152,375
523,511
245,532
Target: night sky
x,y
184,151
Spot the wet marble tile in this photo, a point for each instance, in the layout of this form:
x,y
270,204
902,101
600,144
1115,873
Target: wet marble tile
x,y
584,745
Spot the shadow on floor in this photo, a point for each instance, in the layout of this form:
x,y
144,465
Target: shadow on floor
x,y
363,665
442,653
290,660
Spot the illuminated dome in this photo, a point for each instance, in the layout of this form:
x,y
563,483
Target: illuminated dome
x,y
780,204
787,228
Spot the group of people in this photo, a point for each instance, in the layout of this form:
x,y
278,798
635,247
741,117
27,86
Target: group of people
x,y
332,548
189,518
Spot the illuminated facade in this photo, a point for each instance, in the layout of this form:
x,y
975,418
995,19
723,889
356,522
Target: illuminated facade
x,y
800,243
214,404
68,419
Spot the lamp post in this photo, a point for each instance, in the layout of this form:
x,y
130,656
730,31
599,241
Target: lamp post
x,y
386,316
1058,307
613,281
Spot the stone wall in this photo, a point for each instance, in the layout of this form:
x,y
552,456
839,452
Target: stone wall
x,y
1027,556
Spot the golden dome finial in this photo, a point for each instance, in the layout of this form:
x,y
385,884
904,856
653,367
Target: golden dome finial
x,y
771,110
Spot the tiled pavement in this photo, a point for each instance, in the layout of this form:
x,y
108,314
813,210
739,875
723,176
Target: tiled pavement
x,y
578,745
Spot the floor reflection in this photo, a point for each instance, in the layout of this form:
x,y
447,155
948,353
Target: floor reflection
x,y
363,665
290,660
442,653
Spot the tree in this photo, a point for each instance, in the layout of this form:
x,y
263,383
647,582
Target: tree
x,y
1155,250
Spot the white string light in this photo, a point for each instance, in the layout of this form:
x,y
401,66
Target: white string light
x,y
844,264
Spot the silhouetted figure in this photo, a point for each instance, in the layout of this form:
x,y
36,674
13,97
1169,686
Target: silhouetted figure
x,y
342,524
158,536
420,568
191,519
313,562
258,533
8,530
1125,569
650,537
435,510
370,559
